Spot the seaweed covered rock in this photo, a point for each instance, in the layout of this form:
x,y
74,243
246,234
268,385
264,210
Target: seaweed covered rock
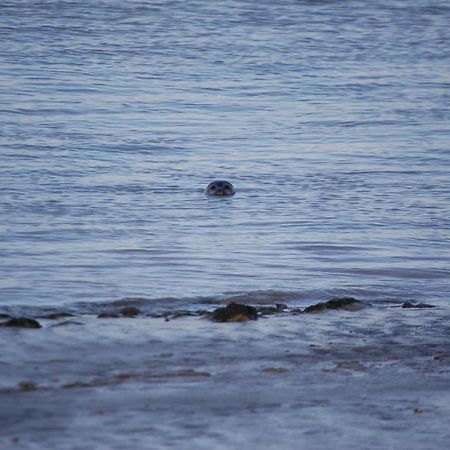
x,y
346,303
22,322
234,312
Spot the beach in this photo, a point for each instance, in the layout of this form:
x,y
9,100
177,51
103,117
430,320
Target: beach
x,y
367,379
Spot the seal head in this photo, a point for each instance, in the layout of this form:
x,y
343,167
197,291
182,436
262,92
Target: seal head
x,y
220,188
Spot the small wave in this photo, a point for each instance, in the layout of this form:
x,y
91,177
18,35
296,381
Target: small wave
x,y
263,297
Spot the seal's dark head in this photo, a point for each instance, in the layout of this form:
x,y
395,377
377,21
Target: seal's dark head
x,y
220,188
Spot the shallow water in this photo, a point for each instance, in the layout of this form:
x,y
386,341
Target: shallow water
x,y
369,379
330,119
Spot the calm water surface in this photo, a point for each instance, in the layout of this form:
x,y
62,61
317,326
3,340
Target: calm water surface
x,y
330,118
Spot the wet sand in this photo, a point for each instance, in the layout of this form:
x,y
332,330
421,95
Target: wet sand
x,y
377,378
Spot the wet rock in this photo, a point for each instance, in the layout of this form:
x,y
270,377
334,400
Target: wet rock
x,y
192,373
4,316
130,311
108,315
281,306
269,310
85,384
234,312
441,357
275,370
28,386
58,315
66,322
169,315
417,305
346,303
22,322
178,314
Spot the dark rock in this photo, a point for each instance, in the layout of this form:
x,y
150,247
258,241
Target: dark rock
x,y
346,303
269,310
281,306
417,305
22,322
58,315
178,314
66,322
169,315
275,369
28,386
4,316
108,315
234,312
130,311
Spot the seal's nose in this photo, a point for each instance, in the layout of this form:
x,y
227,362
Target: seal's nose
x,y
220,193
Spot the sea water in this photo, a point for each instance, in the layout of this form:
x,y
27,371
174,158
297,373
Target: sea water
x,y
330,118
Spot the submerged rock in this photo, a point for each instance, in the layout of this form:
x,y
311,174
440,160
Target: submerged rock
x,y
417,305
269,310
275,369
67,322
169,315
107,315
22,322
28,386
58,315
181,313
281,306
441,357
130,311
346,303
234,312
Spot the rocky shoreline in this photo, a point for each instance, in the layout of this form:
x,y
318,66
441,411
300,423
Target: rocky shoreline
x,y
339,374
233,312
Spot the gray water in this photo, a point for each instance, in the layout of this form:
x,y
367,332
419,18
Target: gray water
x,y
330,118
